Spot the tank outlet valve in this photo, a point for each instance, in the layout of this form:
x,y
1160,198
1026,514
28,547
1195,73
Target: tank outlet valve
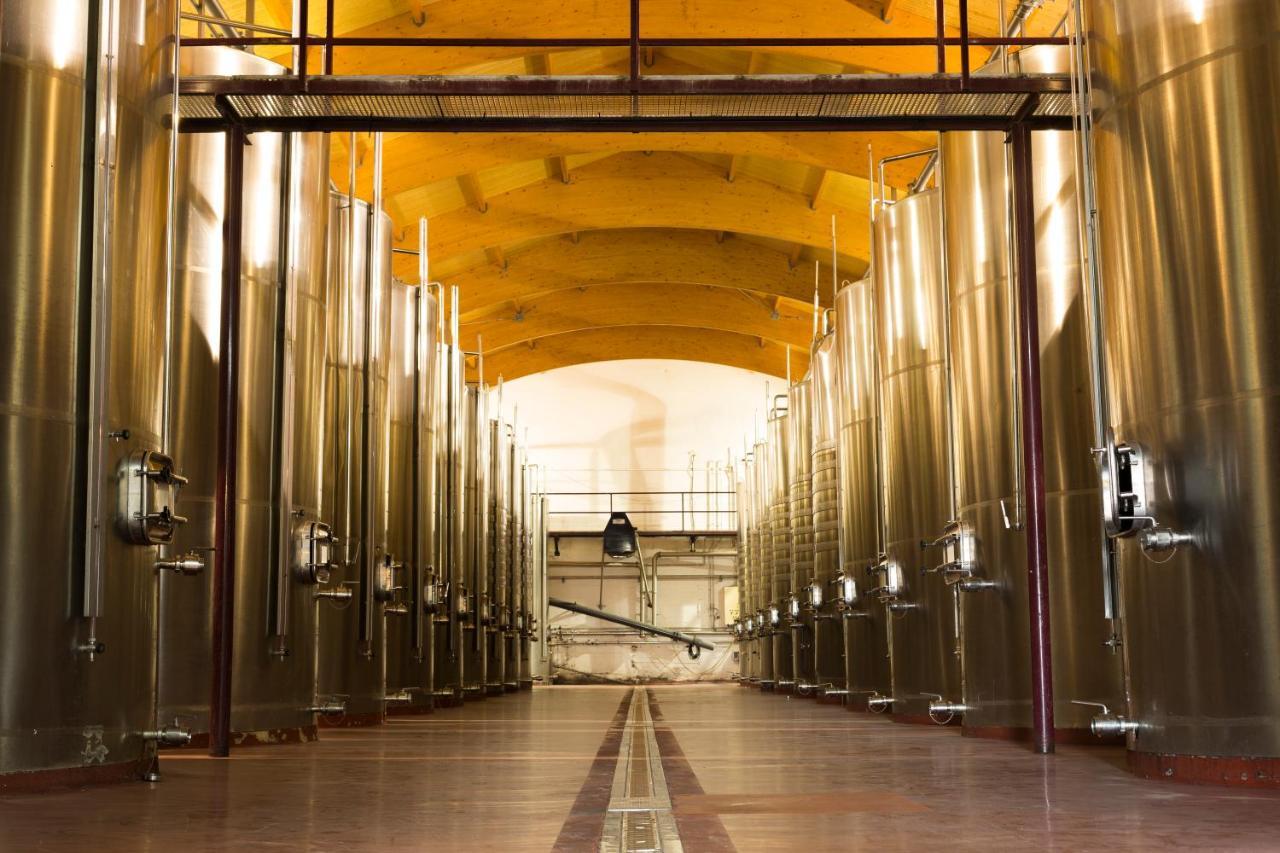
x,y
400,697
942,708
879,704
396,610
190,563
976,585
328,707
92,647
169,736
835,692
1107,723
342,593
1162,541
903,606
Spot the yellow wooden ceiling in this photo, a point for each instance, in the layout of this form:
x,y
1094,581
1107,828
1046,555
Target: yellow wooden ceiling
x,y
577,247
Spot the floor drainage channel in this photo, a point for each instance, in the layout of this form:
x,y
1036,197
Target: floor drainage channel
x,y
639,818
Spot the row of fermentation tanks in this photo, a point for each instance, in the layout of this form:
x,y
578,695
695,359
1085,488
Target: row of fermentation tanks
x,y
884,502
386,518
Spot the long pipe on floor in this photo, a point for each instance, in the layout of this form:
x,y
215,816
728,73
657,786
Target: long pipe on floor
x,y
643,627
1033,441
226,487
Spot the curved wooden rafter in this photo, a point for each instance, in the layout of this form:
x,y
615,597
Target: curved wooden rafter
x,y
643,258
635,191
613,305
641,341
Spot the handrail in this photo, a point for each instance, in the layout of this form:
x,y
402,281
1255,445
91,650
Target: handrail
x,y
633,41
643,627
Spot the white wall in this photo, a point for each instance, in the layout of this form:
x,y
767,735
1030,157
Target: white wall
x,y
630,426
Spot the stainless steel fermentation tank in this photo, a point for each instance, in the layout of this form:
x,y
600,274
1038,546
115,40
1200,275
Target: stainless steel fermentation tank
x,y
349,637
478,542
83,297
778,540
525,620
514,536
986,549
499,615
800,614
862,588
748,645
822,594
283,545
452,611
410,510
1185,124
762,543
911,350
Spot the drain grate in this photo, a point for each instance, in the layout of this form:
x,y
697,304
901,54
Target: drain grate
x,y
639,817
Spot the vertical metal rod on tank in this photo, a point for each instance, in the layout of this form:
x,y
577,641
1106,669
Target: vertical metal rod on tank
x,y
421,355
224,518
1033,441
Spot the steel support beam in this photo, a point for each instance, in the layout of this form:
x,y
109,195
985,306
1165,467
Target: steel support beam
x,y
1032,440
226,486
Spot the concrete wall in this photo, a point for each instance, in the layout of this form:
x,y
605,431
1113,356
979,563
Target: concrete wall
x,y
630,426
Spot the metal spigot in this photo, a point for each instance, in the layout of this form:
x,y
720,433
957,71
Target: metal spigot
x,y
976,585
400,697
940,706
903,606
396,609
1160,540
328,707
190,563
342,593
878,704
1107,723
173,735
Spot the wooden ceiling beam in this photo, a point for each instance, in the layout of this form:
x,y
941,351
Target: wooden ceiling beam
x,y
674,305
469,185
642,341
421,159
631,191
639,257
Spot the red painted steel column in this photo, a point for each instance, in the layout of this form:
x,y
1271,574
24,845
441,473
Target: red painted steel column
x,y
1032,440
224,512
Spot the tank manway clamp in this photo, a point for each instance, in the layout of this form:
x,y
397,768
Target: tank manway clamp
x,y
1107,723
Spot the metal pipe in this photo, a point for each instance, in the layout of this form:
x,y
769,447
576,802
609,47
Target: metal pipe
x,y
643,627
229,27
226,487
1033,442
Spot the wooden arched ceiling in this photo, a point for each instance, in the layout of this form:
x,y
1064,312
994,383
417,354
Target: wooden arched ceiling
x,y
616,245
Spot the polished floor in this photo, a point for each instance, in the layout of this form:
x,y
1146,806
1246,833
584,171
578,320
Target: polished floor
x,y
701,767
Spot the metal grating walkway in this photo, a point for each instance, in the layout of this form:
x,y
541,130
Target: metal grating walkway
x,y
459,103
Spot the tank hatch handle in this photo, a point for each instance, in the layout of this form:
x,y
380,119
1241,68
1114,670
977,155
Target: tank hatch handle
x,y
147,493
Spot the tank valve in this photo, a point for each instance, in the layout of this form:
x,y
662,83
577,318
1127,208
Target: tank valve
x,y
940,707
878,704
400,697
976,585
396,609
328,707
92,648
1108,724
1162,541
189,563
903,606
173,735
342,593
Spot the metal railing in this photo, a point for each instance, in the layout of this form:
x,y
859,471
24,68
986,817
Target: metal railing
x,y
675,512
328,42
